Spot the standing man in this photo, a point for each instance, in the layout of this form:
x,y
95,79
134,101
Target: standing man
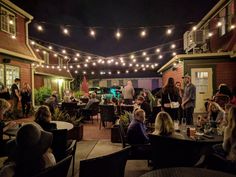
x,y
15,96
128,93
189,99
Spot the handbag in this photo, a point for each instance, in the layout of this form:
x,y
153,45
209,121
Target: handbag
x,y
173,104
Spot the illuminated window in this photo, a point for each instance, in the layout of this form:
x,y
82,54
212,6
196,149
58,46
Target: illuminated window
x,y
8,22
12,72
46,57
2,74
222,20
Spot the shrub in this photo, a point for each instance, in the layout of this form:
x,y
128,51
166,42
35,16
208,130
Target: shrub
x,y
41,95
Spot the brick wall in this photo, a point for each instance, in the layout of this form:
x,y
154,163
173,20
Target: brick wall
x,y
38,81
176,74
226,73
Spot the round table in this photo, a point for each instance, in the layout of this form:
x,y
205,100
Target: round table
x,y
186,172
60,125
63,125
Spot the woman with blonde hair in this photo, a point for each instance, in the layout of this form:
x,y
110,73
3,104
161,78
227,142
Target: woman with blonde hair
x,y
164,126
216,113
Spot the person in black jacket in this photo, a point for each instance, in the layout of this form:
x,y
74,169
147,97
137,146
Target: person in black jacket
x,y
145,106
170,94
26,99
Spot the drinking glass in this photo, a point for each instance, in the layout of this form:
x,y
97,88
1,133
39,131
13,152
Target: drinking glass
x,y
176,124
184,124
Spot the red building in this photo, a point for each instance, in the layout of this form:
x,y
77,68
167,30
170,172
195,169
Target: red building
x,y
16,55
210,53
53,73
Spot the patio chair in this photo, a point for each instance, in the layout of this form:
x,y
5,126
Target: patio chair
x,y
107,113
71,108
93,110
173,152
112,165
58,170
137,151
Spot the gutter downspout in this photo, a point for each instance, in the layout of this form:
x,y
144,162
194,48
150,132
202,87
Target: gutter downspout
x,y
32,68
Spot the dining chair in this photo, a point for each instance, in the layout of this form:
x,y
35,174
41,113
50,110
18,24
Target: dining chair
x,y
173,152
107,114
93,110
111,165
71,108
59,170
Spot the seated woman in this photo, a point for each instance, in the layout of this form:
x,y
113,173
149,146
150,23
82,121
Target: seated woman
x,y
32,153
164,126
4,106
136,132
43,118
223,157
216,113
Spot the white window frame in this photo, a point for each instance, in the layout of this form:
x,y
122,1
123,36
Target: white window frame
x,y
6,16
60,61
2,73
12,72
222,17
46,57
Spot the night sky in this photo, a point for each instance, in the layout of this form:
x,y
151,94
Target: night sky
x,y
109,15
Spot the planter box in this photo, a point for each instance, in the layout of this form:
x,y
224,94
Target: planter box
x,y
76,133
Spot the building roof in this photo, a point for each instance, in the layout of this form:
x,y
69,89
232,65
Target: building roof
x,y
195,56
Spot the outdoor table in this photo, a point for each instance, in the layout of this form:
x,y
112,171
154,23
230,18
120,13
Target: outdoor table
x,y
186,172
60,125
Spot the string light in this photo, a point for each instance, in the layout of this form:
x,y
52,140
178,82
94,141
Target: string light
x,y
118,72
147,58
118,35
194,28
143,33
77,54
131,56
66,31
75,59
32,43
92,33
50,47
232,27
127,71
219,24
174,53
210,34
39,28
144,53
13,37
63,51
135,70
158,50
84,72
55,55
92,72
78,66
172,46
168,31
160,56
134,60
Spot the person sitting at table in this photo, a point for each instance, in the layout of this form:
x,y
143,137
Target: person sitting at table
x,y
223,157
136,132
164,126
216,113
145,106
91,101
43,118
31,152
4,106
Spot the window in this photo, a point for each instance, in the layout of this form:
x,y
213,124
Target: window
x,y
222,19
46,57
47,82
12,72
60,61
230,15
8,22
2,74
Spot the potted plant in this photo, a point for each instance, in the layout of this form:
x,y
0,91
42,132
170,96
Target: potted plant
x,y
77,131
115,134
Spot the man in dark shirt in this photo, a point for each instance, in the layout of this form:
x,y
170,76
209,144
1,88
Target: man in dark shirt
x,y
15,96
137,131
189,99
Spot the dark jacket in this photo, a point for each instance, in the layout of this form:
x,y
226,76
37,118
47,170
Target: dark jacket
x,y
168,95
136,133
